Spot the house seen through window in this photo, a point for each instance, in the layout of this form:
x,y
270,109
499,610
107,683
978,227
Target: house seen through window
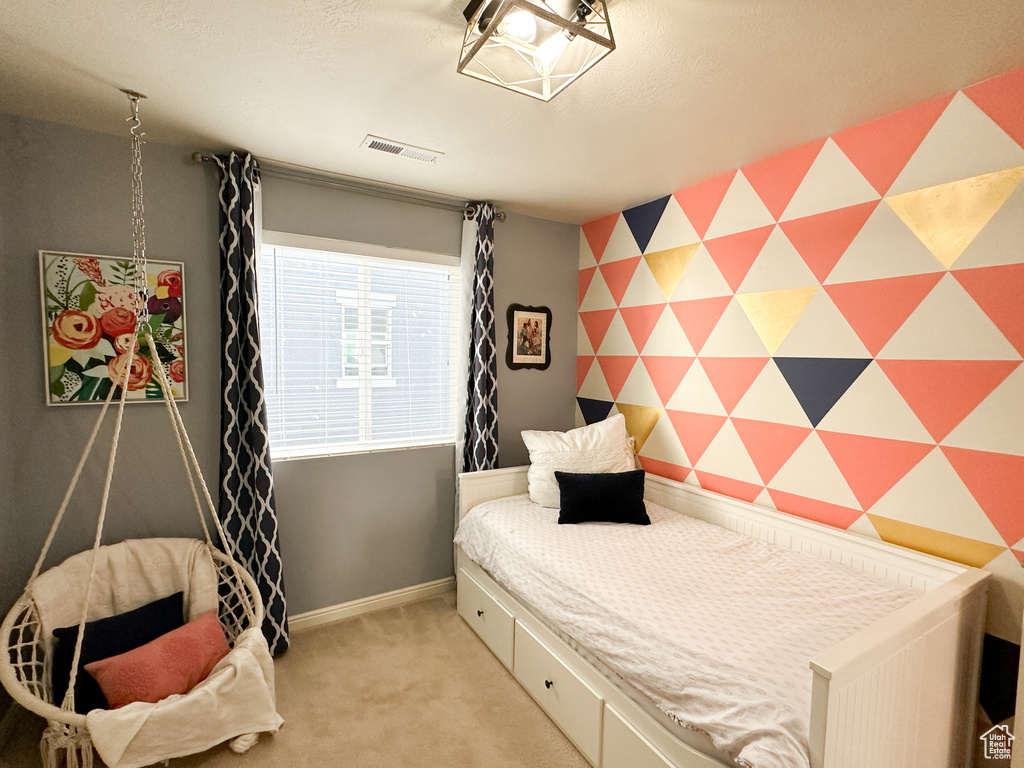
x,y
359,346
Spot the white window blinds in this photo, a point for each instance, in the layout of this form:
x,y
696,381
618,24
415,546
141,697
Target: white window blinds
x,y
359,346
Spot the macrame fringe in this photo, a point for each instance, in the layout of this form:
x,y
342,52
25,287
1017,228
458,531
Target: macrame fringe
x,y
242,744
66,745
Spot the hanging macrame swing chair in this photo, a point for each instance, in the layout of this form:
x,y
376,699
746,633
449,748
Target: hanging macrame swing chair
x,y
236,700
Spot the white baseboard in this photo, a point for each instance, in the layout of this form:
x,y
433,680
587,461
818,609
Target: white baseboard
x,y
333,613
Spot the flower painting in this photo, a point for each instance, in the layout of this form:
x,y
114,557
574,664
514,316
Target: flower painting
x,y
90,320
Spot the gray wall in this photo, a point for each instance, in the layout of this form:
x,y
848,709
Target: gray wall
x,y
536,264
384,521
351,526
69,190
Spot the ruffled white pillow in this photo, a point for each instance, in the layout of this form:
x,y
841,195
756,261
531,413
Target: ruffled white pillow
x,y
604,446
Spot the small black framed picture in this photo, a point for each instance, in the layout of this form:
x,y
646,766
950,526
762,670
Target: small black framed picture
x,y
529,334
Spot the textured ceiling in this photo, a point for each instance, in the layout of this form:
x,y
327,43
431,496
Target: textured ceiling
x,y
695,87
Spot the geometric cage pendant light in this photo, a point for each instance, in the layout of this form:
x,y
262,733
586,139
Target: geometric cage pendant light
x,y
534,47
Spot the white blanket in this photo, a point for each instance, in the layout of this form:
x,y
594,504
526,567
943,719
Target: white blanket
x,y
715,628
237,697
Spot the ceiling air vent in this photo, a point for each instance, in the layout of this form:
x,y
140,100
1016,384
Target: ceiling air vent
x,y
401,150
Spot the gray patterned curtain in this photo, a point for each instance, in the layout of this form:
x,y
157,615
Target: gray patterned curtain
x,y
247,507
481,436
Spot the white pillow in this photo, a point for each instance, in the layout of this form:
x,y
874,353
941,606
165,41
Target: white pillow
x,y
601,447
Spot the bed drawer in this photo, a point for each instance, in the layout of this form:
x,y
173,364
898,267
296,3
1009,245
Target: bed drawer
x,y
494,625
623,747
569,701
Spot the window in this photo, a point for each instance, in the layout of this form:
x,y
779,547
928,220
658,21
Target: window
x,y
366,337
359,346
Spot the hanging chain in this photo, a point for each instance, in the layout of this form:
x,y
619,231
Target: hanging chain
x,y
139,280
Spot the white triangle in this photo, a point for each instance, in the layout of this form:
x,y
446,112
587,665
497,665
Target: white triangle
x,y
778,267
617,341
727,456
586,254
948,325
771,399
594,386
579,421
583,346
667,339
673,230
597,296
831,182
741,209
621,244
695,394
997,425
639,389
764,499
663,444
873,407
863,527
1000,241
964,142
702,280
884,248
643,289
822,331
734,336
932,496
811,472
1006,598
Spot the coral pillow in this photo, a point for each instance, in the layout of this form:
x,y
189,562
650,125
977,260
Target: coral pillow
x,y
173,663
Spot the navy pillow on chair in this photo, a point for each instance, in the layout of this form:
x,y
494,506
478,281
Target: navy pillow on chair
x,y
609,497
109,637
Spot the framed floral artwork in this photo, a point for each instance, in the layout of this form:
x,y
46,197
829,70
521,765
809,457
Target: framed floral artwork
x,y
89,320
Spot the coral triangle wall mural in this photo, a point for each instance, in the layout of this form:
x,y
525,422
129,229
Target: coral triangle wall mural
x,y
835,332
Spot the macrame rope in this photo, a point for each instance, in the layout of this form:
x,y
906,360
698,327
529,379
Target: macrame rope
x,y
180,431
69,698
70,491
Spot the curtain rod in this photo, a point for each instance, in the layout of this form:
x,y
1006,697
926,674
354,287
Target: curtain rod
x,y
355,184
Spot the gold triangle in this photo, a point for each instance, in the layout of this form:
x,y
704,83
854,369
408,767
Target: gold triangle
x,y
947,545
668,266
947,217
774,313
640,421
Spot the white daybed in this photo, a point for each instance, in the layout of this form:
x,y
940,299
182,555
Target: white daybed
x,y
899,693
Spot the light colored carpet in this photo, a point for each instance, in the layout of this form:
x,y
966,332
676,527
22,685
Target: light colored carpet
x,y
407,686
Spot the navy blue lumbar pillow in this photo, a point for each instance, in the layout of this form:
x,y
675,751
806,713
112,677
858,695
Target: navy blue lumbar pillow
x,y
105,638
608,497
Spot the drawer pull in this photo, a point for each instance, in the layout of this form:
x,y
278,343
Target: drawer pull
x,y
548,683
479,613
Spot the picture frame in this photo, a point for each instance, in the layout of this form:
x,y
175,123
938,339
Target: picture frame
x,y
88,318
529,337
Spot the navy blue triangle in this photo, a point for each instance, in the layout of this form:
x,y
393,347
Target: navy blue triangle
x,y
594,410
643,220
819,382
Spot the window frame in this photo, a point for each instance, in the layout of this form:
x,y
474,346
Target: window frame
x,y
375,251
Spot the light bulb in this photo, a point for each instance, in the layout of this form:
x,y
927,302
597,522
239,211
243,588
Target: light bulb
x,y
520,26
549,52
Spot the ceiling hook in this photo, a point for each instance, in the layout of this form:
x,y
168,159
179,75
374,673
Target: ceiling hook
x,y
134,97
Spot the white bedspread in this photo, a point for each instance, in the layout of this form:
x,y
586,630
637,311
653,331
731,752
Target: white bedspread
x,y
716,628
